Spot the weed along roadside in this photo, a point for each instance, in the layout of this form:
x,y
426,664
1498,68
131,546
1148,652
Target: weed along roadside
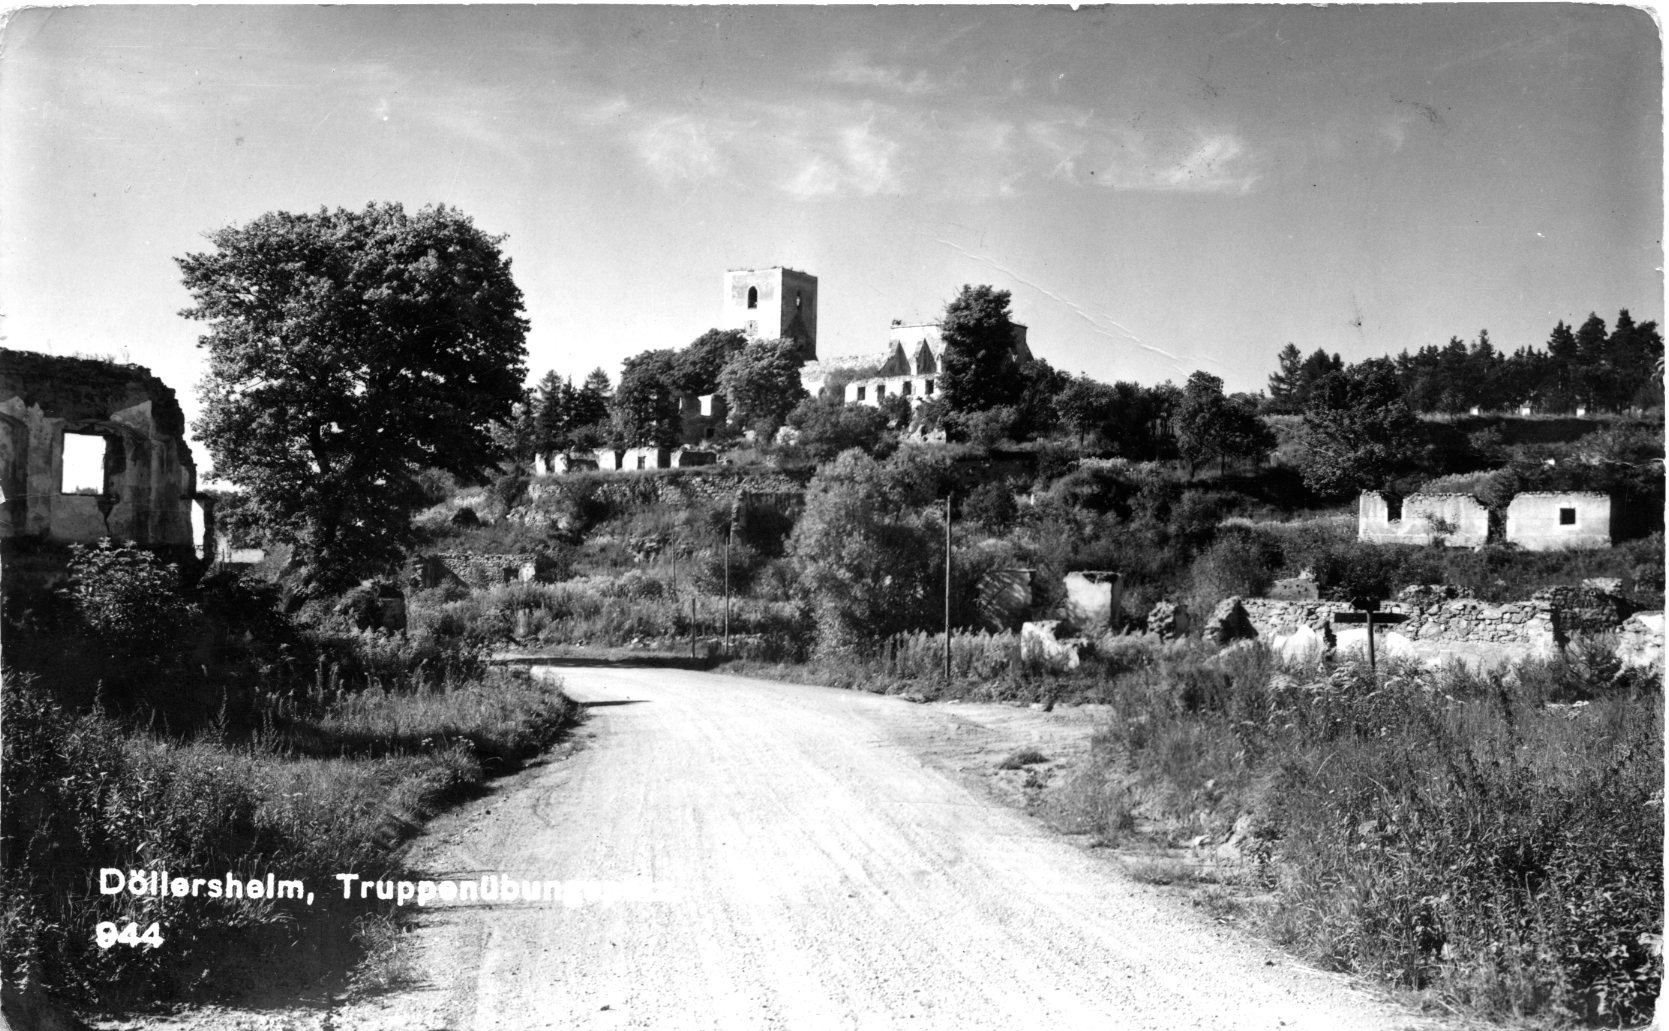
x,y
221,833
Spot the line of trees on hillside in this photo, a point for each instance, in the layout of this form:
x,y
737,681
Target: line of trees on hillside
x,y
1590,367
987,394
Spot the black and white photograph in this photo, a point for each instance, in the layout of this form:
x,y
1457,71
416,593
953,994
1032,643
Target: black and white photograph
x,y
798,516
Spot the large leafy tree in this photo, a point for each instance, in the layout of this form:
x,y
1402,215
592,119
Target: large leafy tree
x,y
1086,406
348,350
1210,425
646,404
979,367
1358,432
761,384
698,364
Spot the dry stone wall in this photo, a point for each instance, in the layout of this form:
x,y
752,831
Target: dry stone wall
x,y
1442,616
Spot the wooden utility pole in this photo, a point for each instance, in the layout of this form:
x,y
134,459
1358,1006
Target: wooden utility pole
x,y
947,590
727,591
692,625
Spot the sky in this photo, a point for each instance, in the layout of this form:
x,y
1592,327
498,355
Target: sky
x,y
1161,188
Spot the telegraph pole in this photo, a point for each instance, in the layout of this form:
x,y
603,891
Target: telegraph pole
x,y
947,590
727,591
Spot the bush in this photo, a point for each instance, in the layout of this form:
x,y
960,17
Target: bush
x,y
1444,831
128,598
1241,562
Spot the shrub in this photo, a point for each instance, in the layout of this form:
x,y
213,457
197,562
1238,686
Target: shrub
x,y
1242,561
128,598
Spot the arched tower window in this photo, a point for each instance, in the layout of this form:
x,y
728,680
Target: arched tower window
x,y
796,298
753,297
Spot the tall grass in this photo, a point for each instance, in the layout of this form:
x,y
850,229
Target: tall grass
x,y
1493,839
597,611
331,787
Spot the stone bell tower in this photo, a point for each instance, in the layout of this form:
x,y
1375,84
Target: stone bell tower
x,y
767,303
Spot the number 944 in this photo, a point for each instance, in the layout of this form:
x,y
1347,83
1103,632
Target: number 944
x,y
107,934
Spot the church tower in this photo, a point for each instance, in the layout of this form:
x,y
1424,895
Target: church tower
x,y
766,303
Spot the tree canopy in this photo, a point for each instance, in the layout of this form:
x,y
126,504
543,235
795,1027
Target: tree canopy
x,y
978,370
1210,425
761,384
646,402
349,350
1358,431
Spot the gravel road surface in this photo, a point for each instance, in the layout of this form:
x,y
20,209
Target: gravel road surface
x,y
825,866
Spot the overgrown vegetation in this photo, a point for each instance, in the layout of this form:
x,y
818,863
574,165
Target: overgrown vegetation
x,y
326,748
1493,839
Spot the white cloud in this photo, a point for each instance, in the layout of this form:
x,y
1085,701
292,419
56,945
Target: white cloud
x,y
680,148
853,69
1218,163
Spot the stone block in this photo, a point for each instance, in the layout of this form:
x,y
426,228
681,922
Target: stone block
x,y
1042,647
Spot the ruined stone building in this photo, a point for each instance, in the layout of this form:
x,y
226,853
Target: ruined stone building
x,y
910,365
117,419
1535,520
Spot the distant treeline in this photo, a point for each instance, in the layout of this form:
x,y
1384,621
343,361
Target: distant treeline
x,y
1591,367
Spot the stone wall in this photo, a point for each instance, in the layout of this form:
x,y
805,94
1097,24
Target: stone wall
x,y
709,484
1445,620
1553,521
1459,520
476,571
1442,624
149,478
1094,600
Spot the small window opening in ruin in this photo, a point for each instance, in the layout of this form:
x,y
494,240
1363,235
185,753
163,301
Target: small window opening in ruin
x,y
930,386
1567,517
796,298
753,297
860,393
1393,509
880,391
84,462
908,388
640,462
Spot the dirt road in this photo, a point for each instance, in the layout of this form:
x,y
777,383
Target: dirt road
x,y
827,868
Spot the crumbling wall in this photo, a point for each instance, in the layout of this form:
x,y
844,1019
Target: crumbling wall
x,y
1439,618
1552,521
1459,520
149,476
1093,600
1005,599
476,571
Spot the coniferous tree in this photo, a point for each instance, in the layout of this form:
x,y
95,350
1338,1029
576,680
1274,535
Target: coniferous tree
x,y
1286,382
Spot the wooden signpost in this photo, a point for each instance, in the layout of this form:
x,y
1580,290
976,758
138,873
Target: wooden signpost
x,y
1367,613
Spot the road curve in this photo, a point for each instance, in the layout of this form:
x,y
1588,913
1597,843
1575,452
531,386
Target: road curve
x,y
820,873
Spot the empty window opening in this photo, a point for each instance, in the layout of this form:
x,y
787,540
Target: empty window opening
x,y
929,386
84,462
753,297
640,462
1567,517
860,393
880,391
1393,509
796,298
908,388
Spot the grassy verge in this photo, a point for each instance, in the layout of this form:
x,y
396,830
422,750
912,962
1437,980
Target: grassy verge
x,y
327,785
1493,841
